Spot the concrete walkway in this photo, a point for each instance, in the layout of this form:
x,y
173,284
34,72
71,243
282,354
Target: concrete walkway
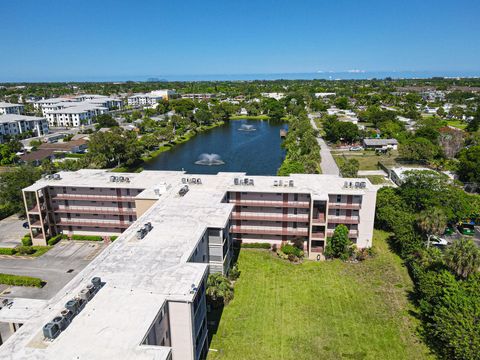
x,y
371,172
328,164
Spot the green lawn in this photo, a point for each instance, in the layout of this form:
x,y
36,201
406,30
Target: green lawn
x,y
368,160
319,310
459,124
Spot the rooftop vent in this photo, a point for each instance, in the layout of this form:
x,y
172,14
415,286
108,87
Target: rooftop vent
x,y
51,330
56,176
236,181
183,190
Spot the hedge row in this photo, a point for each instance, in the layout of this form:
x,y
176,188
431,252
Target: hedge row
x,y
52,241
256,245
16,280
25,250
7,251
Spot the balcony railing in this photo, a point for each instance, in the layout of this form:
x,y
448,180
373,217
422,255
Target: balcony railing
x,y
93,197
317,249
344,206
351,233
318,219
317,235
95,210
99,223
259,203
279,217
269,231
344,219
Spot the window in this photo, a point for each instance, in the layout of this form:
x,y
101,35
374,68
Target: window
x,y
295,197
339,198
337,212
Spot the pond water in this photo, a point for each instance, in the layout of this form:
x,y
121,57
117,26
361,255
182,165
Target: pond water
x,y
247,146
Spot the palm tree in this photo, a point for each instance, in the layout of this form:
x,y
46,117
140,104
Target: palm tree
x,y
219,289
432,222
463,257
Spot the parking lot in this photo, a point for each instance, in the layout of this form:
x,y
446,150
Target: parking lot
x,y
57,267
12,231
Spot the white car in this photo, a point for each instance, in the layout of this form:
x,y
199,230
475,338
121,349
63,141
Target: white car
x,y
438,241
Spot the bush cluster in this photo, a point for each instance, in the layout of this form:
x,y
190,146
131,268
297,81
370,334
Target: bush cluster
x,y
16,280
84,237
27,240
53,240
7,251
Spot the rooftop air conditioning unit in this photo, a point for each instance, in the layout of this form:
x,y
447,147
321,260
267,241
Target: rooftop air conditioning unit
x,y
199,181
67,314
250,182
72,305
184,181
85,294
127,179
290,183
121,179
194,181
113,178
56,176
156,191
280,183
96,282
51,330
61,321
275,183
148,226
345,185
140,234
183,190
236,181
357,184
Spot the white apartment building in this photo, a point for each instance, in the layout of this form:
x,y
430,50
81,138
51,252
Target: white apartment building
x,y
144,99
77,111
274,95
176,229
13,124
8,108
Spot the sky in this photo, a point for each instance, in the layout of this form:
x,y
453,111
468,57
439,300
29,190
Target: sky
x,y
67,40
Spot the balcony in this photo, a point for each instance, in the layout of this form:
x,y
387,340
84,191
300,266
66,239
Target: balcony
x,y
351,233
36,209
316,249
93,197
268,231
344,206
95,210
99,223
279,217
259,203
344,219
318,219
317,236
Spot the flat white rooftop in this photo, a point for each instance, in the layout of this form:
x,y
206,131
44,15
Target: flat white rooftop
x,y
140,275
6,118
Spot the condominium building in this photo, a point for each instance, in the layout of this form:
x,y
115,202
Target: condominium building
x,y
144,296
13,124
151,98
8,108
76,111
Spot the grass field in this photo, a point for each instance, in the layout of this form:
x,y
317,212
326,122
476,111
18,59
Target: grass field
x,y
319,310
459,124
368,160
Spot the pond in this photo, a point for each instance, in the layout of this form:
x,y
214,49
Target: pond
x,y
247,146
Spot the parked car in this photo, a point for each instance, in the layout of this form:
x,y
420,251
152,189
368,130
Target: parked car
x,y
25,225
355,148
467,229
438,241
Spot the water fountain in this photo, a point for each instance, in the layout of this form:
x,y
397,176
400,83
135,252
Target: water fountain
x,y
247,127
209,160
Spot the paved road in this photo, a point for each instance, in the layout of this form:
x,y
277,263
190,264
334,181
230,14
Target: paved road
x,y
57,267
328,164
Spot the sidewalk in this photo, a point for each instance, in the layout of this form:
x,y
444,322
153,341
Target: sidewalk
x,y
328,164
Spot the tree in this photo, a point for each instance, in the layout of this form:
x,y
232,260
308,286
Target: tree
x,y
12,183
418,149
219,289
105,121
432,221
341,102
291,167
336,130
463,257
474,124
339,243
349,168
469,166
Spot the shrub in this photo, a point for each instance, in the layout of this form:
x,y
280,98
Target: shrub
x,y
288,249
25,250
234,272
52,241
40,250
256,245
16,280
27,240
219,290
113,238
7,251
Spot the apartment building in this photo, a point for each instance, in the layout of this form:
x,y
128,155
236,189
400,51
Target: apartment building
x,y
8,108
76,111
13,124
144,296
151,98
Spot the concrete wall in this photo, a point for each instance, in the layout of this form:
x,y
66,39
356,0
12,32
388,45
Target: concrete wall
x,y
181,329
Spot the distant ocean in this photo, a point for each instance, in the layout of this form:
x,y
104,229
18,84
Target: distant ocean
x,y
345,75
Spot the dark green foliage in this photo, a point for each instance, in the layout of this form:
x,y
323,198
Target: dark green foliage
x,y
27,240
84,237
469,166
55,239
25,250
349,168
289,249
336,130
219,290
339,244
105,121
7,251
419,149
